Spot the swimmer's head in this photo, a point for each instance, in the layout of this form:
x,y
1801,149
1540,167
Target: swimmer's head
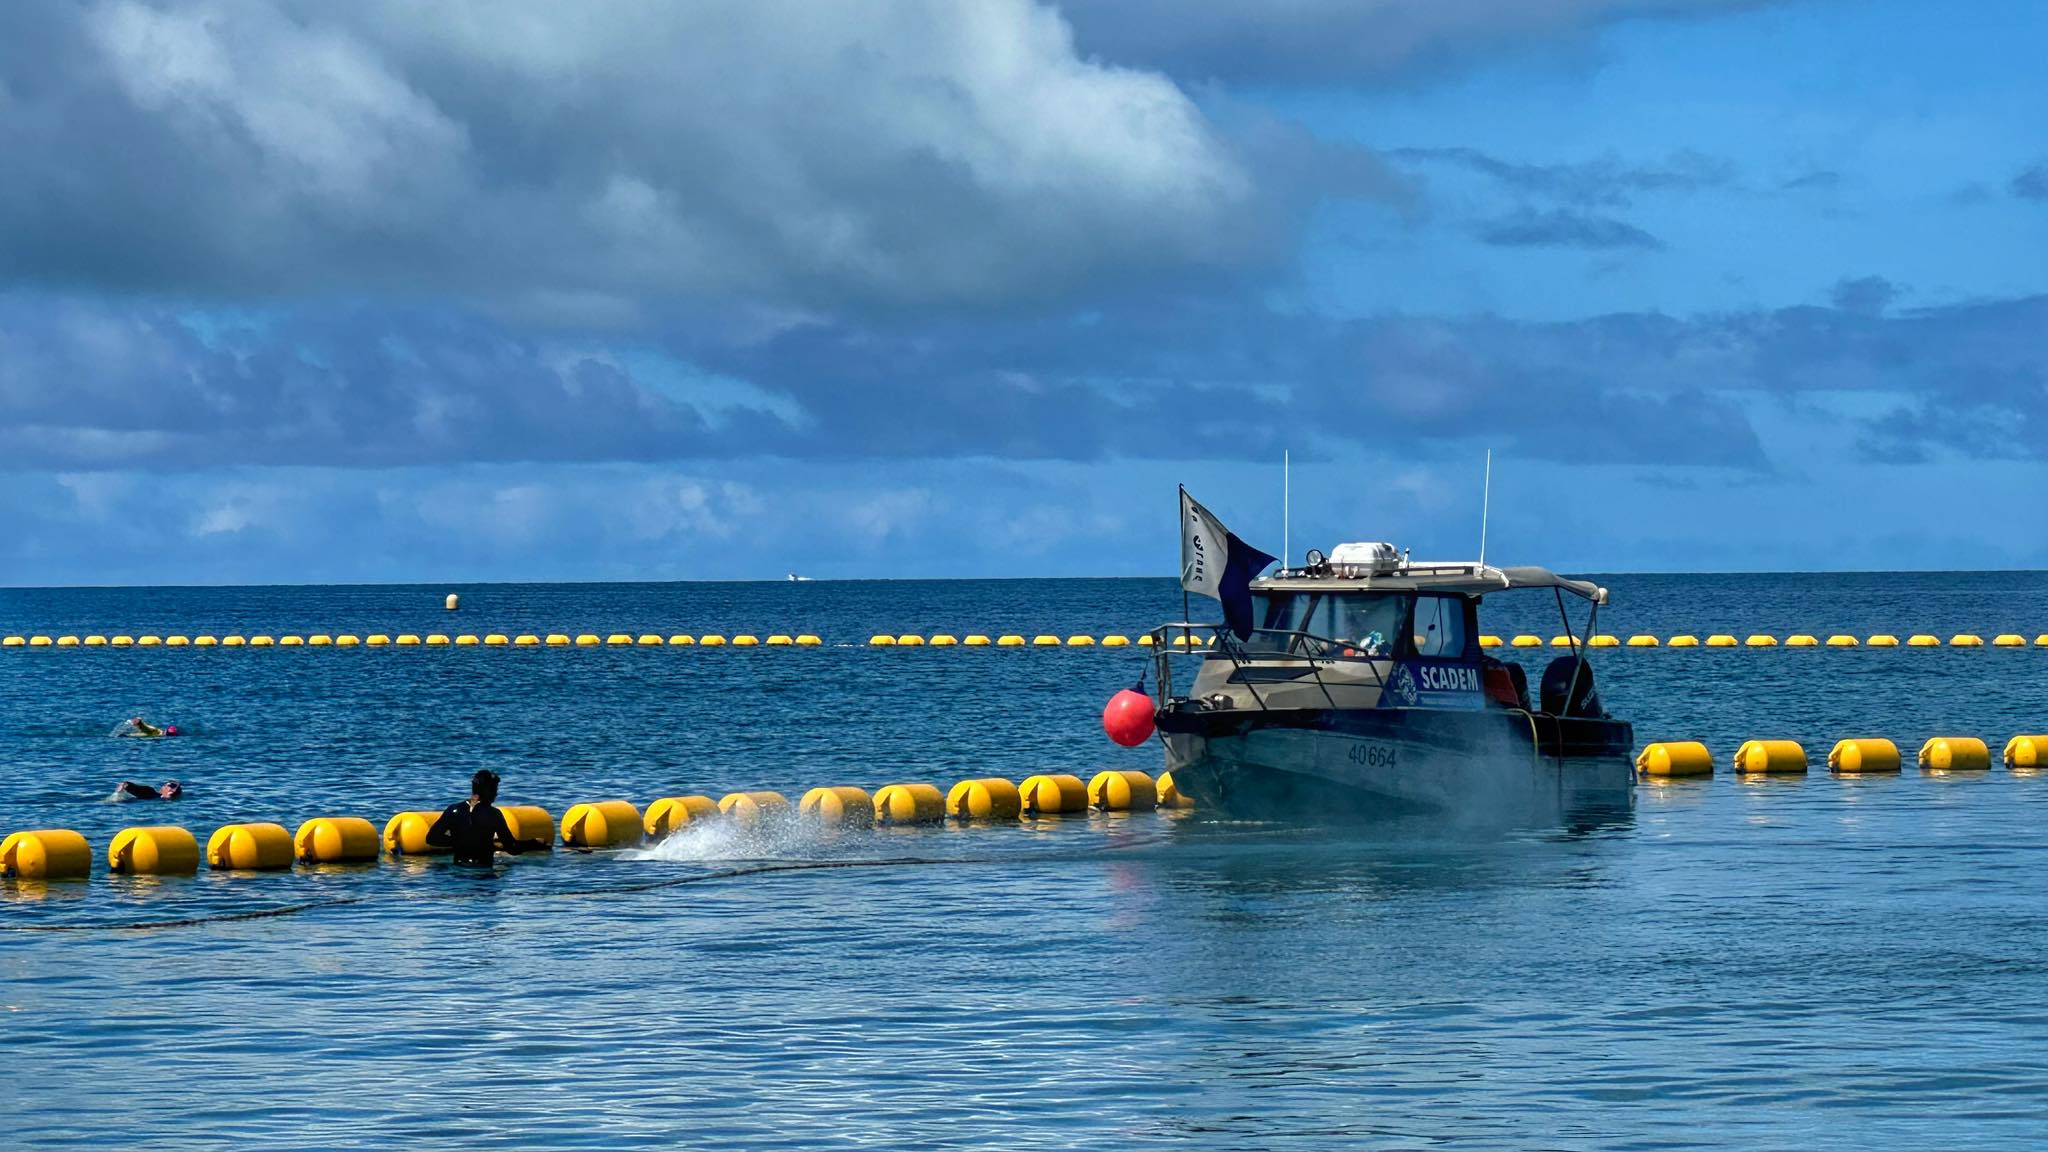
x,y
171,790
484,785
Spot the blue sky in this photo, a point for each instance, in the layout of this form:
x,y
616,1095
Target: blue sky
x,y
309,292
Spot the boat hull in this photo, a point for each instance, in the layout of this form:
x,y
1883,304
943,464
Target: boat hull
x,y
1492,767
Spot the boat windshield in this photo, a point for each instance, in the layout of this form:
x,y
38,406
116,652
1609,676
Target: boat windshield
x,y
1361,624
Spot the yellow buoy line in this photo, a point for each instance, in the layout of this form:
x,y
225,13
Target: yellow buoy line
x,y
169,850
951,640
1855,756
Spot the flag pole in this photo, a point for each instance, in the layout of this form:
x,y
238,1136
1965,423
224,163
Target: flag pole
x,y
1485,506
1180,509
1286,508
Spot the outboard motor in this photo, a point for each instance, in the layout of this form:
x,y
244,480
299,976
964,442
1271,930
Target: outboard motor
x,y
1568,689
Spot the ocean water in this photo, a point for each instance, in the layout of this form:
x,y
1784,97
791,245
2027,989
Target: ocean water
x,y
1812,962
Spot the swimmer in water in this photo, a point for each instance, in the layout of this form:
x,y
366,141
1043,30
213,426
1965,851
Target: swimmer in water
x,y
475,830
142,727
130,790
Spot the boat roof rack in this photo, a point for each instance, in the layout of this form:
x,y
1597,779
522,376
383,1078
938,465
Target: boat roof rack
x,y
1465,577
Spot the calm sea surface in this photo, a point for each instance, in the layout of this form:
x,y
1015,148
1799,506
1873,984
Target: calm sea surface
x,y
1809,962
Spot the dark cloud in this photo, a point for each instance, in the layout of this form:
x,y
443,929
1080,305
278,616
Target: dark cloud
x,y
2031,183
1318,42
581,161
1213,375
1817,181
1564,229
1607,181
1865,295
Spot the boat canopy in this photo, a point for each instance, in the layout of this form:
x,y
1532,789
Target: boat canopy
x,y
1465,578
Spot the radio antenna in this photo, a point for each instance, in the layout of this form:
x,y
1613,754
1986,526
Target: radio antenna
x,y
1286,507
1485,506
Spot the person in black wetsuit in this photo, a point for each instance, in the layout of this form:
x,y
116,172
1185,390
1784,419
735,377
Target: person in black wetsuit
x,y
475,830
130,790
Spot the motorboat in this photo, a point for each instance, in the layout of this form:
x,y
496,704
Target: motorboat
x,y
1363,690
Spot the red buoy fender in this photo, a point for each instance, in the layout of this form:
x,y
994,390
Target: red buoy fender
x,y
1127,718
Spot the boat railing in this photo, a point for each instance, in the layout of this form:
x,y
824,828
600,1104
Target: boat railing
x,y
1283,644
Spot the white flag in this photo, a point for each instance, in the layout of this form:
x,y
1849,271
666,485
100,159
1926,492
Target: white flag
x,y
1204,549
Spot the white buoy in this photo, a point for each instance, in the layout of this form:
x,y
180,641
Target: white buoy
x,y
454,601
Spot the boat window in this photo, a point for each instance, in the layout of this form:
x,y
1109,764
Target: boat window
x,y
1439,626
1360,623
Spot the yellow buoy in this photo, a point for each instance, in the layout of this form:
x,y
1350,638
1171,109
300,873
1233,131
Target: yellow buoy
x,y
778,640
405,640
1115,641
751,808
1672,758
746,640
1801,640
910,640
468,640
497,640
945,640
985,798
437,640
880,640
841,807
13,641
1486,641
977,640
1145,641
67,641
1883,640
909,804
1863,755
1770,758
2041,641
680,640
43,641
1080,641
1721,640
284,641
2026,751
2008,640
619,639
558,640
406,834
1965,640
604,824
1010,640
154,850
1760,640
1170,795
670,813
1053,793
374,639
807,640
1923,640
529,822
526,640
1642,640
1124,790
208,641
316,640
239,641
648,640
95,641
1603,640
711,641
118,641
1955,754
335,840
1684,641
1560,641
1527,641
1839,640
262,847
1044,641
588,640
46,854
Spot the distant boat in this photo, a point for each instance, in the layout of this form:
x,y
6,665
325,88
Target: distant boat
x,y
794,578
